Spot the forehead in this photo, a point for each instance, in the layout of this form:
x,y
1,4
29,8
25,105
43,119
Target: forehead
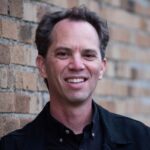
x,y
73,23
67,27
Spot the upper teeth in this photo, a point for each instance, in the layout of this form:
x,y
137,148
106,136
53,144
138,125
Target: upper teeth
x,y
75,80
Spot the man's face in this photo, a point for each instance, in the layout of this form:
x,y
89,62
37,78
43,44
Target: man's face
x,y
73,63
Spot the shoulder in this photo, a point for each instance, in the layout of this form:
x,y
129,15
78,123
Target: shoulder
x,y
122,126
15,139
26,137
22,138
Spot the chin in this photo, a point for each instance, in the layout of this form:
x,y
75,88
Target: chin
x,y
77,101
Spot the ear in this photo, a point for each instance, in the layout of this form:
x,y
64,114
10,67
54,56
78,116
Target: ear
x,y
102,68
40,62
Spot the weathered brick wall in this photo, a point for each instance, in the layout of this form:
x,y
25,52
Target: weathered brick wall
x,y
125,88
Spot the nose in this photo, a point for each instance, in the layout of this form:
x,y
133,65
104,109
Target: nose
x,y
76,63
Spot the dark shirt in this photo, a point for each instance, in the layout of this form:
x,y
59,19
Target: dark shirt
x,y
107,131
61,137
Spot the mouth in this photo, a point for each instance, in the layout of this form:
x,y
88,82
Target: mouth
x,y
76,80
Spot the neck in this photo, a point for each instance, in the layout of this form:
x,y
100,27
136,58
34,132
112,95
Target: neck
x,y
73,117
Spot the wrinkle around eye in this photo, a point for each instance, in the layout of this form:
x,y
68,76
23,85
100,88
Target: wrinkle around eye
x,y
62,55
90,58
90,55
62,52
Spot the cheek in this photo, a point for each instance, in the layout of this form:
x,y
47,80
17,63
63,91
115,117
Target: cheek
x,y
95,70
56,69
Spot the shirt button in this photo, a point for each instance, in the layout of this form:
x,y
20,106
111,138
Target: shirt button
x,y
61,140
67,131
93,134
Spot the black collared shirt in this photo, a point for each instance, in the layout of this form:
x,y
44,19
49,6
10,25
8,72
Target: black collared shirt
x,y
61,137
107,131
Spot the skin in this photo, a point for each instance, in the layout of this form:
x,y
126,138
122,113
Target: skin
x,y
73,66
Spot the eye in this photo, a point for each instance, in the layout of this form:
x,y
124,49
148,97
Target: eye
x,y
90,56
62,54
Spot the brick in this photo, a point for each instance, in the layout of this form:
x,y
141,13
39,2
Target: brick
x,y
113,2
45,98
13,102
25,80
29,81
132,107
30,56
134,73
41,86
33,30
18,80
139,91
126,106
7,32
110,71
22,103
142,9
122,89
83,2
142,40
35,104
109,105
4,7
121,107
34,11
138,107
26,33
148,25
42,10
120,34
30,11
121,17
3,77
16,8
119,52
23,55
94,6
143,56
11,78
101,89
0,27
127,53
128,5
17,54
123,71
62,3
141,75
4,54
8,124
30,59
107,87
7,102
72,3
144,24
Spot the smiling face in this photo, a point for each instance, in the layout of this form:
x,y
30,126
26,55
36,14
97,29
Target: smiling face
x,y
73,63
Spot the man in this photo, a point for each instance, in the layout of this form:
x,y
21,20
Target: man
x,y
71,58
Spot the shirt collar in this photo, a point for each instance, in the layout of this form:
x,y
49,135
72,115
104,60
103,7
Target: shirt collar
x,y
59,129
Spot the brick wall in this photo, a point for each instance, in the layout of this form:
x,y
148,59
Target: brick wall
x,y
125,88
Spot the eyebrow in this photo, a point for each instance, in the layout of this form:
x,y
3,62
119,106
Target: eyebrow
x,y
63,48
70,49
90,51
